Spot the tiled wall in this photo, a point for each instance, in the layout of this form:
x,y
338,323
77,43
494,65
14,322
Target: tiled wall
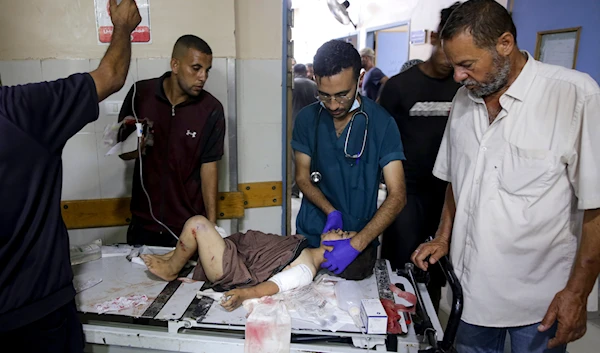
x,y
259,134
230,28
89,174
66,29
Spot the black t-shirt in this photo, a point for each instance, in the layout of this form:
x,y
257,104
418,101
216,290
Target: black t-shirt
x,y
36,120
421,135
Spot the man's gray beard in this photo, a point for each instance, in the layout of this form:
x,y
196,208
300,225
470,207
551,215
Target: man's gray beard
x,y
494,81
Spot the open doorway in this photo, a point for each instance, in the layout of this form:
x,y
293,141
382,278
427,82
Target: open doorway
x,y
391,46
352,39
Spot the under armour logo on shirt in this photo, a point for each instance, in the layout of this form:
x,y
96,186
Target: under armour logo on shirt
x,y
190,133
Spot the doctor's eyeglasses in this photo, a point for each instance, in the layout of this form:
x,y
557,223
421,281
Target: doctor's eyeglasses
x,y
325,98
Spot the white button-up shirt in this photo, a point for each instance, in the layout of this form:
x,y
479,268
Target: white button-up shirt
x,y
521,185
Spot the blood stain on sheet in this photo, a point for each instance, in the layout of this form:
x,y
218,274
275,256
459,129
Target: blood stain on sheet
x,y
268,300
256,332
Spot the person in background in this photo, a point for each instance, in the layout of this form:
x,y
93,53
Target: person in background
x,y
361,80
330,142
37,305
410,63
374,78
407,65
429,81
310,71
521,217
304,93
180,168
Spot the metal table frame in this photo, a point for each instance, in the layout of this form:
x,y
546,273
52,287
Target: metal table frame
x,y
186,335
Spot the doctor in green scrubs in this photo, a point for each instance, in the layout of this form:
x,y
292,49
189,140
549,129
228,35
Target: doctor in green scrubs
x,y
342,144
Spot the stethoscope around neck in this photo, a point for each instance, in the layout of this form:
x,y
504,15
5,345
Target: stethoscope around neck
x,y
315,175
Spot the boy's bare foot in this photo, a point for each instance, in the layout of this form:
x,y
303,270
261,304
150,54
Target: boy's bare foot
x,y
166,256
160,267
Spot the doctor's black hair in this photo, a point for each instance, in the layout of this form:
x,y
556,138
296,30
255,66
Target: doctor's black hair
x,y
485,20
335,56
362,266
190,41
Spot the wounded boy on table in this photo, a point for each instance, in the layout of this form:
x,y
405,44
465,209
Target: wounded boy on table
x,y
252,264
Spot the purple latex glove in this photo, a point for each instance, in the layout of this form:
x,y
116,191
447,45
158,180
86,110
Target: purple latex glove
x,y
340,257
334,221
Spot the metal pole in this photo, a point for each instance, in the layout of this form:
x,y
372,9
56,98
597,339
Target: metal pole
x,y
232,134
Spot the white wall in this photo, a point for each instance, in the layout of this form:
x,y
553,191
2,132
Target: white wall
x,y
260,117
66,29
45,46
314,24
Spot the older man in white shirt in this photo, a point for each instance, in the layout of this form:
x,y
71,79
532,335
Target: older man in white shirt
x,y
522,153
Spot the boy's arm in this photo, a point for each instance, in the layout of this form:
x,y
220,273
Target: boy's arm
x,y
237,296
286,280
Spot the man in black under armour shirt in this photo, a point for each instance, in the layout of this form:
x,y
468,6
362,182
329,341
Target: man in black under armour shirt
x,y
421,128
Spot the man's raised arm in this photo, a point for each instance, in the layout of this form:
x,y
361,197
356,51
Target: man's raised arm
x,y
110,75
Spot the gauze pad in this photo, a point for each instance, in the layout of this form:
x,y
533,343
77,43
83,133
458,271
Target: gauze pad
x,y
297,276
